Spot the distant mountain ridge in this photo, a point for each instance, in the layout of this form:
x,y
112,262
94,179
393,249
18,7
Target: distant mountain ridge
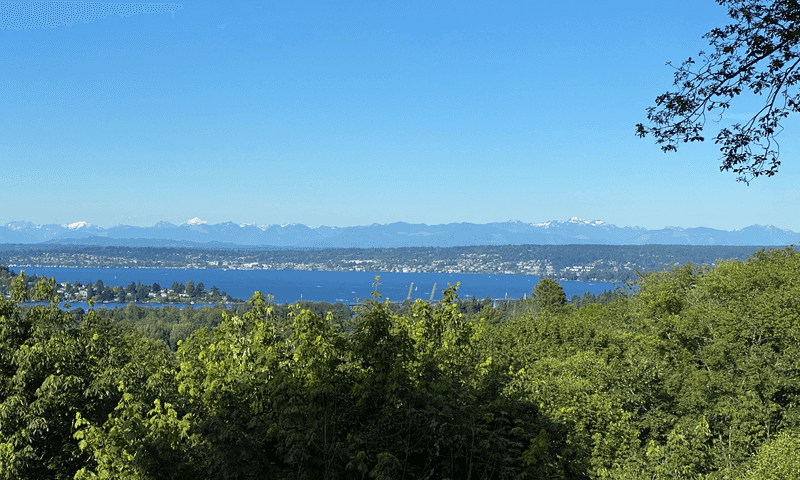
x,y
197,233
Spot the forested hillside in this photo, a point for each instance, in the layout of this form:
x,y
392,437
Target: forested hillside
x,y
694,374
597,263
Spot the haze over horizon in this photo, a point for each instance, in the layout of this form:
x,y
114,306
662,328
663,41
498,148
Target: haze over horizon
x,y
353,113
199,222
197,233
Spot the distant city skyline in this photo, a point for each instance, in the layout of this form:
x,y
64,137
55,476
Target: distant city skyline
x,y
353,113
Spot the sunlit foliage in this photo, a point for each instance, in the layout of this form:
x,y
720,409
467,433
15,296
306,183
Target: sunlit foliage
x,y
695,373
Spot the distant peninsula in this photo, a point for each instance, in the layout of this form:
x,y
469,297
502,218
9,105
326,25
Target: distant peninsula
x,y
594,263
178,293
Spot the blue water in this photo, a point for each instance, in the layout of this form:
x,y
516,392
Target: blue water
x,y
293,285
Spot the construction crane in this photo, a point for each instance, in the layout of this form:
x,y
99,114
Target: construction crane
x,y
432,292
409,291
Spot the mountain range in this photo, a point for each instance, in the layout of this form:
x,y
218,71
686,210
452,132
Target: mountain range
x,y
197,233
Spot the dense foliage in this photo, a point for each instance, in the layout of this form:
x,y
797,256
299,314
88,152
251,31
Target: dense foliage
x,y
694,373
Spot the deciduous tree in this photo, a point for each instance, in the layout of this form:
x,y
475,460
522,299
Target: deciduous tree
x,y
757,53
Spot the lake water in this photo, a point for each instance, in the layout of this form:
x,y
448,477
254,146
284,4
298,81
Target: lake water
x,y
293,285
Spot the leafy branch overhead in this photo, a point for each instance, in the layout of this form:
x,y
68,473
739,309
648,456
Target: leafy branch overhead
x,y
757,53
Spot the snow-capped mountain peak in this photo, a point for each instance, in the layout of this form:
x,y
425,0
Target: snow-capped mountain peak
x,y
77,225
18,225
557,232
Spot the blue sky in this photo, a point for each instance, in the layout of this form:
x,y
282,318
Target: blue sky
x,y
350,113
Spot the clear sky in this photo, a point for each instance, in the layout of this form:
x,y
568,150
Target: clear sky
x,y
347,113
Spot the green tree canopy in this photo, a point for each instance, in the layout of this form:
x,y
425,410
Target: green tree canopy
x,y
548,293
